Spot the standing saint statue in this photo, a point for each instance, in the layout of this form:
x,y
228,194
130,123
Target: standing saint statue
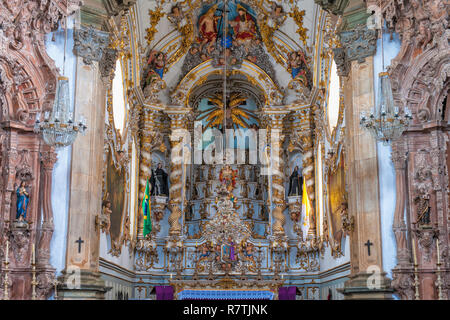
x,y
229,250
158,181
23,198
295,183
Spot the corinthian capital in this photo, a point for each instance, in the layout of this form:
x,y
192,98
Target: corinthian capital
x,y
90,44
359,43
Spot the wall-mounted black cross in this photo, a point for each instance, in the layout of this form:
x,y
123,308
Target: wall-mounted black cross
x,y
368,244
79,241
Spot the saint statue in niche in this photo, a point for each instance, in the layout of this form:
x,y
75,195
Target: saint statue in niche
x,y
295,183
248,250
158,182
423,210
23,197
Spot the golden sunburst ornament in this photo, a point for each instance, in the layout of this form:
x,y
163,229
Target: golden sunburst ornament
x,y
236,114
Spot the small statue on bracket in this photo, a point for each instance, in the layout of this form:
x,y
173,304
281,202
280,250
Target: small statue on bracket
x,y
23,198
423,210
295,183
104,220
158,181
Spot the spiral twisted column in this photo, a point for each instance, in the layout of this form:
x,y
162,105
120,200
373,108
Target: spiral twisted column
x,y
303,136
275,116
151,138
308,174
179,138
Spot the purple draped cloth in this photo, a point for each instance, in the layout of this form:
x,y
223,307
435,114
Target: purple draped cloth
x,y
287,293
232,257
164,292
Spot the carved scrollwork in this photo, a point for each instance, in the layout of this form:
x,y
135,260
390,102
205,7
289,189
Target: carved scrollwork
x,y
90,44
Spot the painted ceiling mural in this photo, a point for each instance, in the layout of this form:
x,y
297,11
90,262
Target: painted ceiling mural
x,y
225,35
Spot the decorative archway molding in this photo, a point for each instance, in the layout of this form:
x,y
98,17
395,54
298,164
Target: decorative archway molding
x,y
254,74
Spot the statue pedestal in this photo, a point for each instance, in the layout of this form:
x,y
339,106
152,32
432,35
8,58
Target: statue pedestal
x,y
368,286
19,225
81,285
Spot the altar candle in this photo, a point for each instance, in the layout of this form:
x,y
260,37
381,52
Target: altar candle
x,y
171,276
33,255
196,244
414,251
438,255
7,251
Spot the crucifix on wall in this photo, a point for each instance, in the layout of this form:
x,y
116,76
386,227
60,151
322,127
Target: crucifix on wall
x,y
368,244
79,241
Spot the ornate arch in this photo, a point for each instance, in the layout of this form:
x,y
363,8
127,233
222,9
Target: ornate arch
x,y
199,75
419,84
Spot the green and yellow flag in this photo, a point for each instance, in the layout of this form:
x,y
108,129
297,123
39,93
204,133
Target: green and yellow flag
x,y
147,211
306,207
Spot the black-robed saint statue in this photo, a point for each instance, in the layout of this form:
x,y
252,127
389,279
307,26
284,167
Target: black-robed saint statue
x,y
158,182
295,183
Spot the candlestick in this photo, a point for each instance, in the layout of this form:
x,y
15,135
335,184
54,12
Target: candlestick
x,y
438,255
170,276
7,252
416,275
196,244
33,258
56,289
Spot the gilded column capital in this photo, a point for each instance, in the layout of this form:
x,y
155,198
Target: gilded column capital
x,y
275,116
356,45
179,116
